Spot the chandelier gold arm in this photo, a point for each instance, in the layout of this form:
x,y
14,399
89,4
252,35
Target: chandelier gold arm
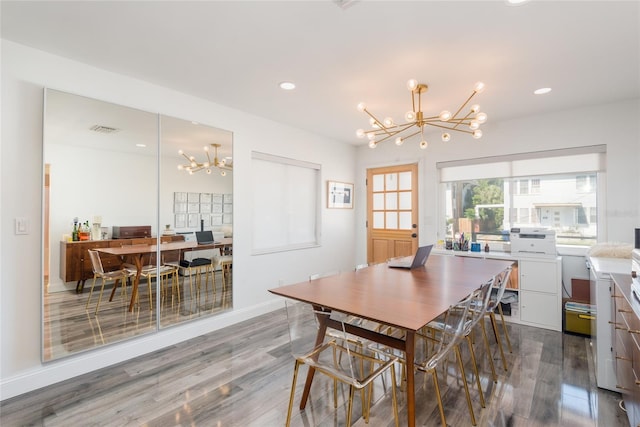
x,y
445,120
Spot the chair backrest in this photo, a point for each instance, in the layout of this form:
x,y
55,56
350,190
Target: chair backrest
x,y
96,263
304,321
480,302
500,282
454,322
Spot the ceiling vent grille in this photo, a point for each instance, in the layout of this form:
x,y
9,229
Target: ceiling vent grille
x,y
103,129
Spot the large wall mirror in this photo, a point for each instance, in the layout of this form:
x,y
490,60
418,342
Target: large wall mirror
x,y
113,189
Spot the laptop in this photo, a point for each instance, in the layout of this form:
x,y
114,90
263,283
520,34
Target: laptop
x,y
204,237
407,262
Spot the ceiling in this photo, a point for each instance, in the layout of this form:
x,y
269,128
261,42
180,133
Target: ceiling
x,y
236,53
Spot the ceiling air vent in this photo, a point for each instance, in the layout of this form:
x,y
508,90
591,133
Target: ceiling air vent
x,y
103,129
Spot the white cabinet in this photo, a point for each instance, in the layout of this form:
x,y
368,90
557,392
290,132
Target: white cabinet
x,y
541,292
601,329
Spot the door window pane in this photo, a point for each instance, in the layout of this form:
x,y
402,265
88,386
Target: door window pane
x,y
404,181
391,201
378,182
378,220
405,221
405,200
378,201
392,221
391,181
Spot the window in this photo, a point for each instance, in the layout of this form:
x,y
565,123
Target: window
x,y
557,194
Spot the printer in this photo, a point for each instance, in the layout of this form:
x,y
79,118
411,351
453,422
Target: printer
x,y
537,241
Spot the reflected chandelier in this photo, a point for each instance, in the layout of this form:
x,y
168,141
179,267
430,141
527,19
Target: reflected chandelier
x,y
194,166
383,130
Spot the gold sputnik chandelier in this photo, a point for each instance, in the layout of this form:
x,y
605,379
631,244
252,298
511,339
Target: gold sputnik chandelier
x,y
382,130
195,166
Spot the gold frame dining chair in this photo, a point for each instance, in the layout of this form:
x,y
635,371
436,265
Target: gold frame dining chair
x,y
453,328
117,276
501,281
322,355
225,262
162,272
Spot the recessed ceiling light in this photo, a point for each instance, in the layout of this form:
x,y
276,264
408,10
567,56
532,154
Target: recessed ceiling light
x,y
542,90
287,85
516,2
141,145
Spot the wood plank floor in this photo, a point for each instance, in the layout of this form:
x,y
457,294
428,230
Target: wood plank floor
x,y
241,376
69,328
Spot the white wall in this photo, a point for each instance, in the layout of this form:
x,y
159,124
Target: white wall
x,y
25,72
615,125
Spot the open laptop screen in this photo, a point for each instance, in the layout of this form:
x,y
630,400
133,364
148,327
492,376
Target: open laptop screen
x,y
204,237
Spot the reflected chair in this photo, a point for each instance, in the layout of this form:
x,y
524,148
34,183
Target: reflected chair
x,y
225,262
500,283
164,274
191,271
322,354
453,329
118,276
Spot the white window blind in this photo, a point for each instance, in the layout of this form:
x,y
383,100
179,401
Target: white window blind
x,y
569,160
286,201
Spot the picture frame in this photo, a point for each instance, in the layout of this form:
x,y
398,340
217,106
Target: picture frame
x,y
339,195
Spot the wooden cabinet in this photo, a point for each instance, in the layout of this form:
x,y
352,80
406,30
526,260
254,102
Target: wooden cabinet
x,y
541,292
75,264
626,346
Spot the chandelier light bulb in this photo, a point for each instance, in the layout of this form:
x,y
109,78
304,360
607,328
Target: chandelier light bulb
x,y
412,84
194,164
399,141
180,152
223,173
475,108
424,144
180,167
477,134
222,162
481,117
206,148
445,115
360,133
373,123
479,87
474,125
190,172
372,144
388,121
371,136
206,164
410,116
362,106
208,171
446,137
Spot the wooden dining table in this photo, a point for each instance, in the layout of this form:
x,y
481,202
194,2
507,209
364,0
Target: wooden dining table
x,y
136,254
402,298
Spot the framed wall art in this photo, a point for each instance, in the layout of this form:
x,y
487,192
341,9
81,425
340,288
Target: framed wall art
x,y
339,195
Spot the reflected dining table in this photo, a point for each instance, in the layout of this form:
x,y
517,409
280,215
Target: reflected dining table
x,y
136,254
402,298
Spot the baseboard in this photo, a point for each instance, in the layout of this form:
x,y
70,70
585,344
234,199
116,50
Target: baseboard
x,y
53,372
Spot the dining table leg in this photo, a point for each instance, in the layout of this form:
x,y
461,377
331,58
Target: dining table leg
x,y
411,393
137,260
322,330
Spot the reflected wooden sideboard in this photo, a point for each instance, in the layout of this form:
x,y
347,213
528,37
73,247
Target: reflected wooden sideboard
x,y
75,264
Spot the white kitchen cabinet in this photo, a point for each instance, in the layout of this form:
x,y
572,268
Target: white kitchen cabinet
x,y
541,292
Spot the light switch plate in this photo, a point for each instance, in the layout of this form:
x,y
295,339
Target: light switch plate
x,y
22,225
